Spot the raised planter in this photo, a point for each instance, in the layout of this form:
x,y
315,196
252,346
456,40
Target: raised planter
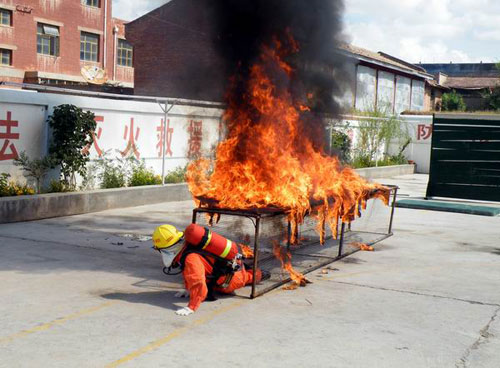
x,y
37,207
386,171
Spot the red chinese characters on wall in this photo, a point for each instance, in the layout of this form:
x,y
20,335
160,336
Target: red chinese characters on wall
x,y
424,132
195,130
131,136
160,129
97,135
8,150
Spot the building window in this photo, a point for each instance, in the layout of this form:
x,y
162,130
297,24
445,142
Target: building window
x,y
125,53
94,3
47,40
5,17
89,47
5,57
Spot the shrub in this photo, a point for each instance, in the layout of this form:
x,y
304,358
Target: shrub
x,y
143,176
341,145
71,138
178,175
112,177
492,98
452,101
59,186
8,189
36,168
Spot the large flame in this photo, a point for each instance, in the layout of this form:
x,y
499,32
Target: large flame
x,y
268,161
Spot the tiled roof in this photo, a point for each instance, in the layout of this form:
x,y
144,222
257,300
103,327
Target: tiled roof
x,y
382,57
471,82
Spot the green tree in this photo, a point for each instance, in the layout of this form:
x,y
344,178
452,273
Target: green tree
x,y
36,168
492,97
377,132
71,137
452,101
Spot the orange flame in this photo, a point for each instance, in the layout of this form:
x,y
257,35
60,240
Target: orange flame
x,y
246,251
363,247
266,160
298,279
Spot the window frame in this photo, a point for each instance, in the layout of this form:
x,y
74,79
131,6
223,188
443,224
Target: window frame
x,y
85,51
42,37
124,53
3,11
8,52
91,3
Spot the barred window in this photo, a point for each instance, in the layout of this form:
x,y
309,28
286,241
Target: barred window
x,y
47,40
94,3
125,53
5,17
89,47
5,57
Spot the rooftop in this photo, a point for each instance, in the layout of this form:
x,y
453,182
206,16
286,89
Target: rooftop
x,y
388,60
472,82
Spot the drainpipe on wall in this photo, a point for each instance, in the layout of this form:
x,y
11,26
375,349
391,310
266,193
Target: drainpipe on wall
x,y
115,44
105,35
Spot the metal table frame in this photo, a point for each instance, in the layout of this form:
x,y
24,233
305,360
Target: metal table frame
x,y
258,214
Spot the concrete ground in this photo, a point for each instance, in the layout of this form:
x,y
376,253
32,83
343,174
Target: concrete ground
x,y
88,291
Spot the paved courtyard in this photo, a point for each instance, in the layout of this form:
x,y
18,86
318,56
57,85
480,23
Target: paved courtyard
x,y
88,291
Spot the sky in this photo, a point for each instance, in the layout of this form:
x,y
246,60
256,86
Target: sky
x,y
427,31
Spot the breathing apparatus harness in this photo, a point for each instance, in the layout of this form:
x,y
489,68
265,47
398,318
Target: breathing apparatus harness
x,y
221,266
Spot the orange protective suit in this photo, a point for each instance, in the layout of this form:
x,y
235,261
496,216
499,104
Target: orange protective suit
x,y
196,270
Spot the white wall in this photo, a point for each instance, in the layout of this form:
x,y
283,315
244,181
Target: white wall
x,y
366,80
31,109
385,94
417,95
419,128
403,94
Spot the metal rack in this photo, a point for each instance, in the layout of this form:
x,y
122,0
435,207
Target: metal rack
x,y
257,215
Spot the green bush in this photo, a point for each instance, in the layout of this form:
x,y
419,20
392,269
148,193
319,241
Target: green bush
x,y
71,138
178,175
143,176
59,186
8,189
360,161
34,168
341,145
452,101
492,98
112,177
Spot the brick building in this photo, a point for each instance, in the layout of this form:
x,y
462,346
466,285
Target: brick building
x,y
175,53
471,80
384,82
49,41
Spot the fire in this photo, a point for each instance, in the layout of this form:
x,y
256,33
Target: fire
x,y
268,161
363,247
298,279
246,251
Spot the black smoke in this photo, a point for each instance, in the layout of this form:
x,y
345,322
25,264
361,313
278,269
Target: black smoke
x,y
243,26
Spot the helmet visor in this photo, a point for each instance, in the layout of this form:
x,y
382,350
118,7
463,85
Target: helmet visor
x,y
169,254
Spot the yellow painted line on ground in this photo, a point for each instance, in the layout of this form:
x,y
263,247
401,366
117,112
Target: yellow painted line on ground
x,y
56,322
176,333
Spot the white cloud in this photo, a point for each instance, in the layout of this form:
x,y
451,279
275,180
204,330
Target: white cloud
x,y
132,9
427,30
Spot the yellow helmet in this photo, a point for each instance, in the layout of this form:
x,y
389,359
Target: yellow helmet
x,y
165,236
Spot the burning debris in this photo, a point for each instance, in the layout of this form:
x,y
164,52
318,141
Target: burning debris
x,y
363,247
285,258
285,75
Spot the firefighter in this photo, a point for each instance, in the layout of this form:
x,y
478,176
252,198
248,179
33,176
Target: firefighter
x,y
209,262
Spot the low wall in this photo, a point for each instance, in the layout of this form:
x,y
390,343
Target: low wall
x,y
37,207
386,171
